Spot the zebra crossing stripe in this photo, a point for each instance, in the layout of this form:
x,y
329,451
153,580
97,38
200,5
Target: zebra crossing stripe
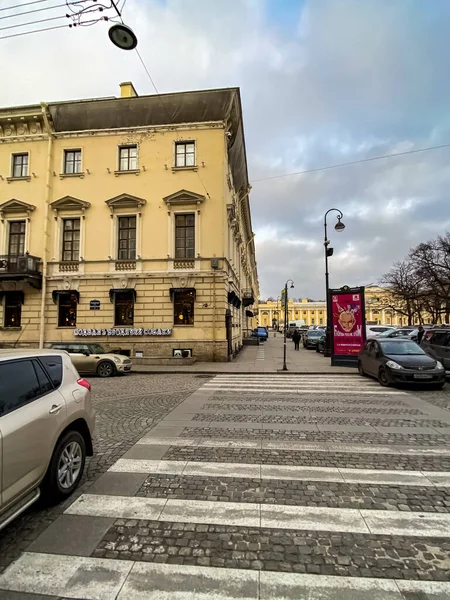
x,y
272,516
105,579
282,472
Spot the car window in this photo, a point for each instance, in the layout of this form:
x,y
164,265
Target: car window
x,y
18,385
54,367
440,338
44,382
401,347
96,349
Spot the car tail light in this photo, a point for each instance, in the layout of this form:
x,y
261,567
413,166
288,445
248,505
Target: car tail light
x,y
84,383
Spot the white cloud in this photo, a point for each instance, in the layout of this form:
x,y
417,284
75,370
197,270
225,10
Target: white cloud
x,y
351,80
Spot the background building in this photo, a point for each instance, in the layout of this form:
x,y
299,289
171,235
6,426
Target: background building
x,y
127,220
380,309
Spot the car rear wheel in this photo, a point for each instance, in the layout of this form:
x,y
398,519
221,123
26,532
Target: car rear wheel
x,y
383,378
66,467
360,369
105,369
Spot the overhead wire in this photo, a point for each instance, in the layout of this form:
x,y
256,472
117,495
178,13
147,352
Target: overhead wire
x,y
353,162
25,4
29,12
13,35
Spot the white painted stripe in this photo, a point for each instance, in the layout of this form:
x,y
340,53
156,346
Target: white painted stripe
x,y
69,576
282,472
152,581
287,390
104,579
265,515
295,446
123,507
290,586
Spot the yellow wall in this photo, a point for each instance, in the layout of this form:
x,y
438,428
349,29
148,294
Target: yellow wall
x,y
220,232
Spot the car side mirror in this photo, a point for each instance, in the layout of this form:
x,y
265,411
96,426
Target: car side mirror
x,y
86,353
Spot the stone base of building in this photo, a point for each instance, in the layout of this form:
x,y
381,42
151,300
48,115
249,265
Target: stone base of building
x,y
201,350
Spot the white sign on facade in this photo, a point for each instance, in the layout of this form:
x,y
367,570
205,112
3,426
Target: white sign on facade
x,y
121,332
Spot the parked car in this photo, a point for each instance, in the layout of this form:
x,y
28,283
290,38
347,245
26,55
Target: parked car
x,y
260,333
93,359
312,338
436,342
46,427
374,330
399,361
402,332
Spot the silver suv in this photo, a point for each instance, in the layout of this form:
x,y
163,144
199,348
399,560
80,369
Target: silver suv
x,y
46,426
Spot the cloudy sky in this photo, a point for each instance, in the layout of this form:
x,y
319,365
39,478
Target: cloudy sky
x,y
322,81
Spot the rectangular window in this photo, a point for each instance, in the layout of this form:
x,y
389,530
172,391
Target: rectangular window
x,y
127,238
183,303
128,158
67,310
72,161
20,165
124,309
185,236
13,309
16,238
71,240
185,154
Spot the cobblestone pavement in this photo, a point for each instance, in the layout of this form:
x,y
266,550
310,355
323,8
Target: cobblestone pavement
x,y
126,408
240,483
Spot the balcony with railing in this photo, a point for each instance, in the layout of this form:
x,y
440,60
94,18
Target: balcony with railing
x,y
21,268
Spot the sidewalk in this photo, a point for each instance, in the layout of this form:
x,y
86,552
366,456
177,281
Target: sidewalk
x,y
265,358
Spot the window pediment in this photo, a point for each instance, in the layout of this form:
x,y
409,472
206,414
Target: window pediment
x,y
14,206
125,201
70,203
183,197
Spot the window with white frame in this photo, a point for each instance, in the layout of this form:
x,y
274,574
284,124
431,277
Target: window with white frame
x,y
72,161
128,158
20,165
185,154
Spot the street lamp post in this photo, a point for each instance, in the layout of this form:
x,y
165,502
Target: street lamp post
x,y
286,319
329,252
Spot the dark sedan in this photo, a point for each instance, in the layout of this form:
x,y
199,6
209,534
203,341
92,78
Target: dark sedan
x,y
312,338
399,361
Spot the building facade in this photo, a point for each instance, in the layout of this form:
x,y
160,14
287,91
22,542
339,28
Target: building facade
x,y
378,310
127,221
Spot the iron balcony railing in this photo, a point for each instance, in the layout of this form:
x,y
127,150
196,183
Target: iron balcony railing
x,y
25,264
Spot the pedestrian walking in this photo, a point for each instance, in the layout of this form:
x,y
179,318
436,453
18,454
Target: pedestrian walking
x,y
296,339
420,334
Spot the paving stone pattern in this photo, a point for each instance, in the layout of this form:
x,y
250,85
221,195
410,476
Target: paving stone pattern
x,y
344,420
310,458
123,416
298,493
311,407
341,554
404,439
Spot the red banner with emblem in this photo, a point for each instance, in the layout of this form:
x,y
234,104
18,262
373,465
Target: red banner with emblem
x,y
347,322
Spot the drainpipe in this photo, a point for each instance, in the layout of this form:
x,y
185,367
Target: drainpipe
x,y
46,213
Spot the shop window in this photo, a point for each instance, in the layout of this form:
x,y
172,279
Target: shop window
x,y
13,309
124,309
183,303
71,240
67,309
185,154
128,158
185,236
127,238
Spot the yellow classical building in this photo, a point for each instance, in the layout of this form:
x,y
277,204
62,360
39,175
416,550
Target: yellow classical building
x,y
378,310
127,221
